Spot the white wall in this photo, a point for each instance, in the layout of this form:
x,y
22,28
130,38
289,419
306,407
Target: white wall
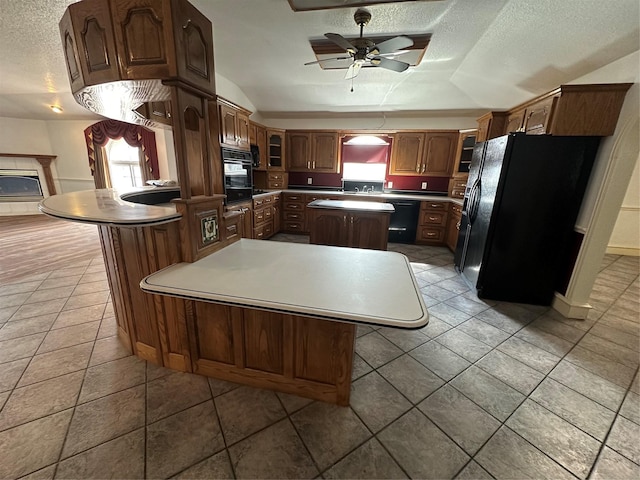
x,y
72,164
24,136
625,238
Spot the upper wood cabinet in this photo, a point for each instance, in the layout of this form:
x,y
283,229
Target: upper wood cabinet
x,y
258,137
406,153
313,151
439,153
112,40
570,110
299,151
234,125
423,153
276,149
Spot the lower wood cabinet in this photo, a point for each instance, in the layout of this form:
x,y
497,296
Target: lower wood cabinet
x,y
266,216
432,223
453,226
345,228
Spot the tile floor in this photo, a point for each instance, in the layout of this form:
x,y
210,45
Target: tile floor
x,y
485,390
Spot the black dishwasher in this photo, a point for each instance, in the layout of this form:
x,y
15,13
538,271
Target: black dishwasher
x,y
404,221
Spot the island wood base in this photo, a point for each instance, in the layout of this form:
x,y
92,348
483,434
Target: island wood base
x,y
293,354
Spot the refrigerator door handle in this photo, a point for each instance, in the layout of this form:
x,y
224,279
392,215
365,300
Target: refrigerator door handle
x,y
474,200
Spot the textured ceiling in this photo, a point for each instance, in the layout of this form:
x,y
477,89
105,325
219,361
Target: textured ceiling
x,y
482,54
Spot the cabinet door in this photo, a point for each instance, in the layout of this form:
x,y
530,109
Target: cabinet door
x,y
298,151
325,152
261,141
144,38
228,121
242,130
453,227
369,230
439,155
253,133
328,228
193,36
275,145
406,154
539,116
515,121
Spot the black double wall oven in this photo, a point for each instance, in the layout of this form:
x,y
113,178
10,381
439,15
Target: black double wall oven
x,y
238,177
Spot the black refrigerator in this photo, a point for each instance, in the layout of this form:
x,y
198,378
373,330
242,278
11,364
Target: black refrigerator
x,y
521,203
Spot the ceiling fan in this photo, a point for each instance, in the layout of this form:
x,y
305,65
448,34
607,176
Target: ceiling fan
x,y
363,51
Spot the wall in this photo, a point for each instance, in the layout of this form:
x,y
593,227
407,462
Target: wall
x,y
72,164
615,165
625,238
24,136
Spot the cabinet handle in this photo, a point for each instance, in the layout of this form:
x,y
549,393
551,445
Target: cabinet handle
x,y
458,226
432,218
424,167
314,164
418,168
344,220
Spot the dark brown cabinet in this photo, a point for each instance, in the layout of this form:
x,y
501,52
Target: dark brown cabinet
x,y
266,216
344,227
570,110
432,223
439,153
453,226
276,149
464,153
423,153
234,126
312,151
406,154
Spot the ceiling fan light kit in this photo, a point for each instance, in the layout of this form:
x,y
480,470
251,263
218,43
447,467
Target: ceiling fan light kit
x,y
364,52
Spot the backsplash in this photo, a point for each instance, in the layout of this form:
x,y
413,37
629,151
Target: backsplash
x,y
400,182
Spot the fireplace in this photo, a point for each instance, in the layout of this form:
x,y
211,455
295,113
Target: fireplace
x,y
25,179
20,185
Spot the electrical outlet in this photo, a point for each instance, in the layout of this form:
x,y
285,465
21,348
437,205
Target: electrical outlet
x,y
424,185
309,181
389,184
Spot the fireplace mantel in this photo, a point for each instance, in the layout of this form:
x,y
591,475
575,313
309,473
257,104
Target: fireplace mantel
x,y
45,161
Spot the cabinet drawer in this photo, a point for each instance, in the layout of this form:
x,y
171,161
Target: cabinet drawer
x,y
430,234
293,198
293,216
293,226
276,177
457,192
456,210
294,206
261,216
437,206
433,218
275,184
258,202
460,183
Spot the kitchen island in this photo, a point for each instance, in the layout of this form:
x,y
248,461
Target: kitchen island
x,y
283,315
272,315
349,223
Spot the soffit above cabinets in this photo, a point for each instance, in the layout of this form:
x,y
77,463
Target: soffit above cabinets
x,y
305,5
324,49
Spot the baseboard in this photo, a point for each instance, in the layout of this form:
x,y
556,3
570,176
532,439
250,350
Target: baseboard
x,y
632,252
570,310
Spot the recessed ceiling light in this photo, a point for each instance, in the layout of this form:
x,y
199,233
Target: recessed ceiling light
x,y
56,108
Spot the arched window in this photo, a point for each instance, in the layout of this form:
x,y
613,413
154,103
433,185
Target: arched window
x,y
121,155
123,163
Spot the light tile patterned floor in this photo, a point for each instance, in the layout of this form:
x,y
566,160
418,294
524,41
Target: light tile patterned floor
x,y
485,390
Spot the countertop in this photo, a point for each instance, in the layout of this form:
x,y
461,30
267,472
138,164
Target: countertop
x,y
352,195
106,207
334,283
353,205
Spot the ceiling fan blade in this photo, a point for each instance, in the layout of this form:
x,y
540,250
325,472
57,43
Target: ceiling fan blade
x,y
341,42
353,71
393,44
389,64
327,59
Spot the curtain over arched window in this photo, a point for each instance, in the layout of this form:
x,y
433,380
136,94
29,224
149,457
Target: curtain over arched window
x,y
98,135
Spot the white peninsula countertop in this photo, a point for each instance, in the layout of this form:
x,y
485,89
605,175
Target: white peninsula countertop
x,y
353,205
110,207
333,283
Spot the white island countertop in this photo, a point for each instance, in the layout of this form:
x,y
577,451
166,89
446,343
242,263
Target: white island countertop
x,y
353,205
334,283
106,207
